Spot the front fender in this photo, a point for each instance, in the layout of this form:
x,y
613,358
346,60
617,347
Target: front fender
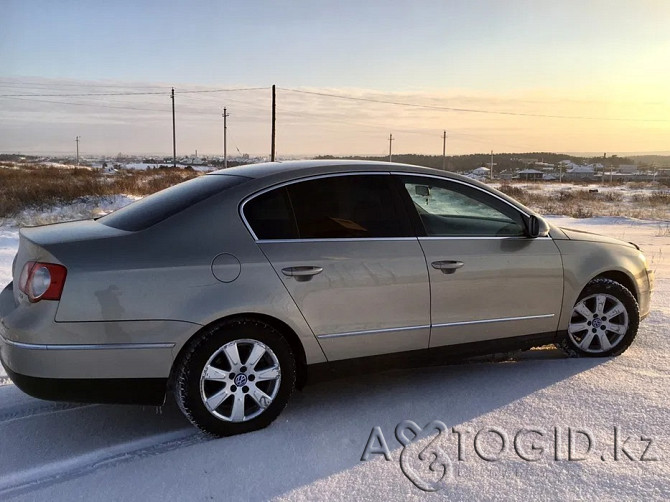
x,y
583,261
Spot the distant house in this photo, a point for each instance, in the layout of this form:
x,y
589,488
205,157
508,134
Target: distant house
x,y
627,169
530,174
545,166
481,171
192,161
577,172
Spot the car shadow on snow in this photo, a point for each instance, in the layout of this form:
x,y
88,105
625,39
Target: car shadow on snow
x,y
322,432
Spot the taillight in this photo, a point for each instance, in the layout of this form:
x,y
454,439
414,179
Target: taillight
x,y
42,281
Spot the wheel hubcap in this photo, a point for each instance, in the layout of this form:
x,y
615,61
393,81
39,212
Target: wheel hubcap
x,y
240,380
598,323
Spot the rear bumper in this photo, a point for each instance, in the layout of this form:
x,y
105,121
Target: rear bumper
x,y
32,343
104,362
82,375
150,391
148,360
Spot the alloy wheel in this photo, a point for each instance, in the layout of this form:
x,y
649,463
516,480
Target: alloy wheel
x,y
240,380
599,322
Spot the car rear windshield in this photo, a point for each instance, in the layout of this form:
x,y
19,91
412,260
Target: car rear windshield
x,y
161,205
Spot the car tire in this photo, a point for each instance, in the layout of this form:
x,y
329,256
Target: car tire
x,y
604,321
236,377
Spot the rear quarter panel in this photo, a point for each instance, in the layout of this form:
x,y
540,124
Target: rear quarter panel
x,y
165,273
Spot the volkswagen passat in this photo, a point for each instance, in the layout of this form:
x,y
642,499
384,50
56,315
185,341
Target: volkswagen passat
x,y
225,289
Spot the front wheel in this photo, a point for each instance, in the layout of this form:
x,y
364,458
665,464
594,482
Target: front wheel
x,y
604,321
235,378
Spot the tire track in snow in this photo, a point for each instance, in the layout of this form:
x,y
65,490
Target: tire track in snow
x,y
22,412
44,476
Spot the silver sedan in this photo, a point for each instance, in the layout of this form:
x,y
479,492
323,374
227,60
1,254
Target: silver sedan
x,y
228,288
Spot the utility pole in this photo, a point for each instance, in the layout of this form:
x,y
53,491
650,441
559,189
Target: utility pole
x,y
274,122
390,149
77,140
225,150
174,135
491,171
611,167
444,151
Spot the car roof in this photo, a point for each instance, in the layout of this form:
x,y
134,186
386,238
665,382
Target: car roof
x,y
302,168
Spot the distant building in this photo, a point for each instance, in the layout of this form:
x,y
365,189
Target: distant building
x,y
192,161
530,174
577,172
481,171
627,169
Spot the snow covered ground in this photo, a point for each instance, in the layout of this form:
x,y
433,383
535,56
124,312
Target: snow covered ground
x,y
539,408
143,166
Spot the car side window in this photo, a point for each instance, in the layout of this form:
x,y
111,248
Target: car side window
x,y
270,216
344,207
449,209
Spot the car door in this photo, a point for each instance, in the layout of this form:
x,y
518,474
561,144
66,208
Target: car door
x,y
344,248
488,279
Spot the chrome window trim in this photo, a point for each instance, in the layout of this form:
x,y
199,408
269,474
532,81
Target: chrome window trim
x,y
483,237
99,346
371,332
252,196
333,239
386,239
249,198
501,319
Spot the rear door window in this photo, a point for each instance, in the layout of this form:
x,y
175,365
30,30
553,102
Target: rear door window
x,y
346,207
270,216
332,207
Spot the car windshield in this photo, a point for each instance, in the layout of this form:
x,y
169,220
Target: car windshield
x,y
161,205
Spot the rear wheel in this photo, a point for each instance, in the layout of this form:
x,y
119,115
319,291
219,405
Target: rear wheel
x,y
604,321
235,378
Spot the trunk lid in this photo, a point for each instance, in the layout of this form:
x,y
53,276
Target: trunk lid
x,y
41,244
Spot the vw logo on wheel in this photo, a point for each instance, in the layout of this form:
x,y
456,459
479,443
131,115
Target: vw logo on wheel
x,y
597,322
240,380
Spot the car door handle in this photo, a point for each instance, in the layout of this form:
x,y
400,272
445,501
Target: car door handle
x,y
447,266
304,273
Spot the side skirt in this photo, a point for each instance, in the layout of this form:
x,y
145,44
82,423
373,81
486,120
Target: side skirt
x,y
436,356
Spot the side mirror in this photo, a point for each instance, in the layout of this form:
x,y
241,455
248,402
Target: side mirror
x,y
536,227
422,190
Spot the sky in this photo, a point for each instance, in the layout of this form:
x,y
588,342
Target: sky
x,y
513,76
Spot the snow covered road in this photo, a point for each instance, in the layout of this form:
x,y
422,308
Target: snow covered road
x,y
514,429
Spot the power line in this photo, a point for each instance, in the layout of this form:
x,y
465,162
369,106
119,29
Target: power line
x,y
8,87
193,109
95,105
127,93
82,94
469,110
23,83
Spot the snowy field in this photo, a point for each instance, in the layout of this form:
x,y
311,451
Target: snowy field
x,y
524,426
